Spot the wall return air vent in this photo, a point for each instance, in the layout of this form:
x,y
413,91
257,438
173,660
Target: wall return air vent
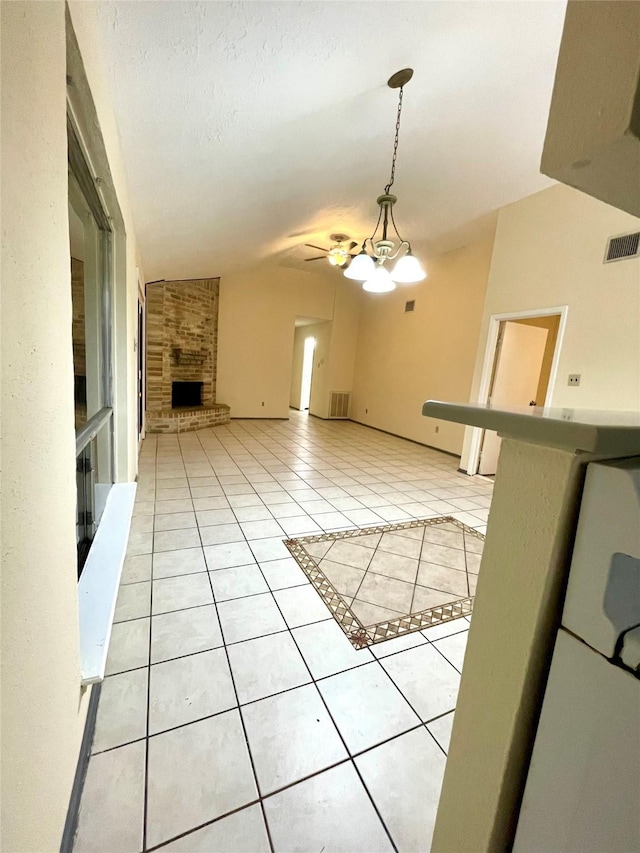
x,y
621,248
339,404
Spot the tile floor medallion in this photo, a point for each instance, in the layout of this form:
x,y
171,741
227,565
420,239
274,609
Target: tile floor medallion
x,y
235,715
382,582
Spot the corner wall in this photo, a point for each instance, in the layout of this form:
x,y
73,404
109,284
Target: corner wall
x,y
256,328
404,359
549,251
43,706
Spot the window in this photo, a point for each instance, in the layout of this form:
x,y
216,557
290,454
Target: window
x,y
90,240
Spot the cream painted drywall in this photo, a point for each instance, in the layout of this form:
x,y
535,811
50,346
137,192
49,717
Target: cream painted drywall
x,y
404,359
127,260
258,307
43,706
593,135
344,343
515,616
548,252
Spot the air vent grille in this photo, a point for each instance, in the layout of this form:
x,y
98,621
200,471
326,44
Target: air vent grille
x,y
409,306
626,246
339,404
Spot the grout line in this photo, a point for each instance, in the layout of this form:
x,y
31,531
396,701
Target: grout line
x,y
242,723
203,825
309,454
442,654
145,806
348,751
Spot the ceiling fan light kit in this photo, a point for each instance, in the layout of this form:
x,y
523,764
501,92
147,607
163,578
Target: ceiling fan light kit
x,y
338,254
368,266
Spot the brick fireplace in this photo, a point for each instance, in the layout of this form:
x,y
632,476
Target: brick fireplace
x,y
182,333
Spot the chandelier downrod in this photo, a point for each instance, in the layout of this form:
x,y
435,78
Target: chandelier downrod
x,y
369,268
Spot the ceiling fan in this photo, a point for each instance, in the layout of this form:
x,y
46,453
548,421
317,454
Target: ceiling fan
x,y
338,254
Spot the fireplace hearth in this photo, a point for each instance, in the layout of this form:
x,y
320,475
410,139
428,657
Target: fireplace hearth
x,y
185,394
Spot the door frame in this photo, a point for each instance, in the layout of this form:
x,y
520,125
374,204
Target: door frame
x,y
489,359
141,361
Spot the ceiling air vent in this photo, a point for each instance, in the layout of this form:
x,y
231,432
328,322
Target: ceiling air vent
x,y
409,306
619,248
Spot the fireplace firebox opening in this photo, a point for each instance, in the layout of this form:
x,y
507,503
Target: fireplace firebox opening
x,y
186,394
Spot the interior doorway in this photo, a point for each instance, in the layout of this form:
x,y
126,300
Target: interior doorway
x,y
310,343
519,371
307,373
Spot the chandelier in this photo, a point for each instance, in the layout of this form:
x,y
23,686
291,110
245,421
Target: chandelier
x,y
369,266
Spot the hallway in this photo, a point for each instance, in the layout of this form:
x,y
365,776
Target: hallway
x,y
236,715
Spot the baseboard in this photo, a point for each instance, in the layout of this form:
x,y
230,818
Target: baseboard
x,y
404,438
71,822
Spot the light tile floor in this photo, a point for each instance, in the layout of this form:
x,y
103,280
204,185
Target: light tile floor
x,y
235,715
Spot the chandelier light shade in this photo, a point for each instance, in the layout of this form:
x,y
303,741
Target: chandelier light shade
x,y
408,270
380,281
361,267
369,266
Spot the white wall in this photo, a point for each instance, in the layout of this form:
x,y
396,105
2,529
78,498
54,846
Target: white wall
x,y
548,252
256,327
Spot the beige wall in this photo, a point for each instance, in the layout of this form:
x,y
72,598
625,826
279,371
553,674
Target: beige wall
x,y
340,370
548,252
404,359
43,707
43,704
593,134
256,327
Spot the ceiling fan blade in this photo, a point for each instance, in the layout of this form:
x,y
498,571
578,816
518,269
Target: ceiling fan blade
x,y
319,248
352,245
321,258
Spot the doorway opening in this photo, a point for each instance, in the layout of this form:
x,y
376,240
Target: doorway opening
x,y
310,344
307,374
520,367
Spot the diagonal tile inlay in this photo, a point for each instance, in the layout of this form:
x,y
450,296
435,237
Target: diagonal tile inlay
x,y
382,582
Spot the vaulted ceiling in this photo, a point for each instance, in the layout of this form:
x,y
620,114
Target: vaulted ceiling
x,y
251,128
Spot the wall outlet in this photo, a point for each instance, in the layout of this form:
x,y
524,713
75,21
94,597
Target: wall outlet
x,y
574,379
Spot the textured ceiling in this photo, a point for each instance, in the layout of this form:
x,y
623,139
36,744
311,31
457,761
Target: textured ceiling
x,y
250,128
